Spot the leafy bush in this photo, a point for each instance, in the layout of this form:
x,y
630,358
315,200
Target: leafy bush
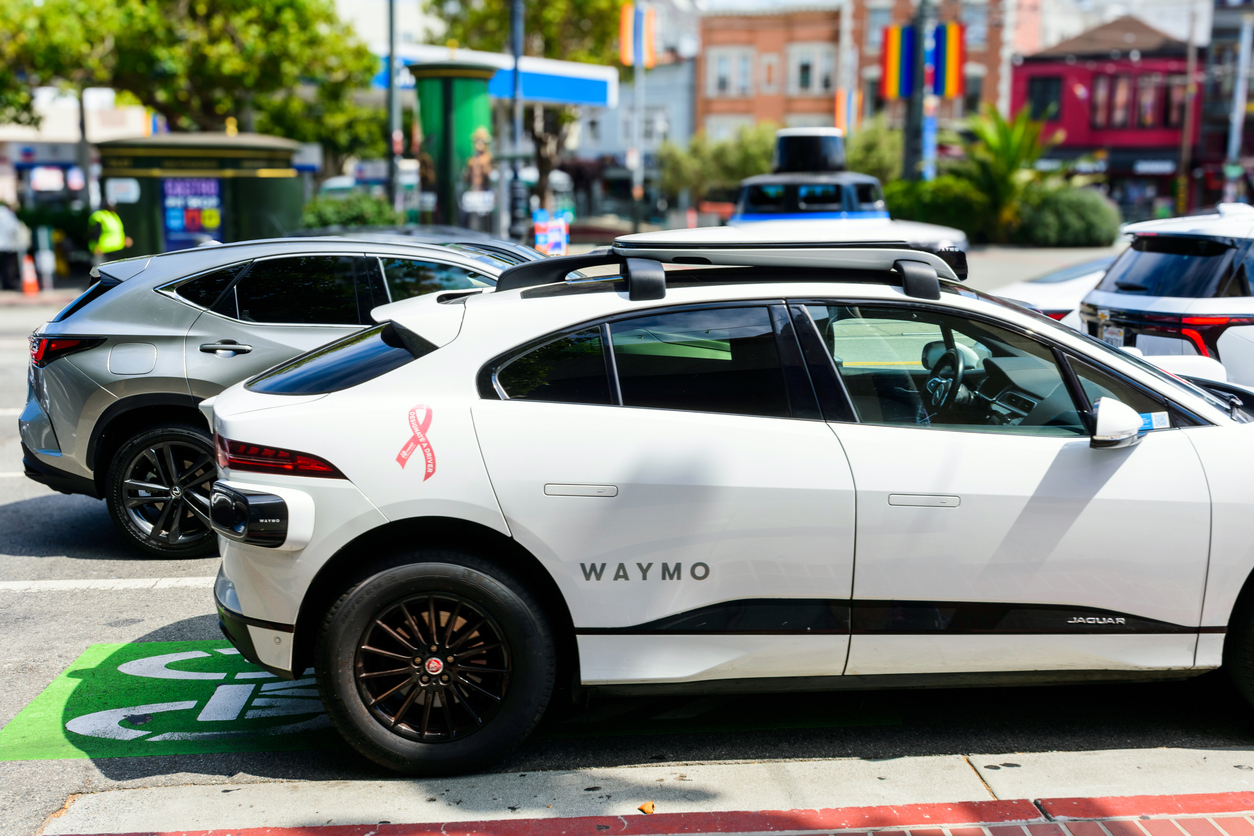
x,y
947,200
354,210
876,150
1069,217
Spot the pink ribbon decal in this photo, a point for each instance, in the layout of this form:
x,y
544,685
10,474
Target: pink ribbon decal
x,y
419,429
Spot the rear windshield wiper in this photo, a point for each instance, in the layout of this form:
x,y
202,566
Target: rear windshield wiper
x,y
1130,286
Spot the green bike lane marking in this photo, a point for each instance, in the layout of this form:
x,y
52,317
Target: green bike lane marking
x,y
202,697
166,698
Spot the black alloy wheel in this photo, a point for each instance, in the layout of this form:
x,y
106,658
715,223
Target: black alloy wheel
x,y
433,668
158,491
435,662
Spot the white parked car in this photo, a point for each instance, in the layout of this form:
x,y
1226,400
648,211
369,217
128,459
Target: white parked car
x,y
780,467
1182,287
1058,293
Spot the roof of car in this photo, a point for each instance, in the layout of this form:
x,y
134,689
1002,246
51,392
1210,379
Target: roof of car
x,y
805,177
1230,220
195,259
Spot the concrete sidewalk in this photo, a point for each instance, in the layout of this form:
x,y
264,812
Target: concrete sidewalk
x,y
913,793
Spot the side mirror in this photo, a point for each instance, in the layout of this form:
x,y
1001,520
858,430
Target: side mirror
x,y
1118,425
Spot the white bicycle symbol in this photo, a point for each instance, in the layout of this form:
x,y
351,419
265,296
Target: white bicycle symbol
x,y
229,702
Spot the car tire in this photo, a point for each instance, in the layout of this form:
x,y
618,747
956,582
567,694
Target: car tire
x,y
157,490
459,708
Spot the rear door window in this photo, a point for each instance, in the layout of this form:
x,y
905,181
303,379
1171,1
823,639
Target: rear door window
x,y
305,290
407,277
566,370
205,290
1173,265
718,360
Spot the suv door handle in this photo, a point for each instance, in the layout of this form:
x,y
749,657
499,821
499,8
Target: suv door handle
x,y
226,345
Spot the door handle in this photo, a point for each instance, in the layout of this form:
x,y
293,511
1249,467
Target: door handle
x,y
226,345
924,500
580,490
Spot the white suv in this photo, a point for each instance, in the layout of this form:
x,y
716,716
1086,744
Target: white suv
x,y
1182,288
729,466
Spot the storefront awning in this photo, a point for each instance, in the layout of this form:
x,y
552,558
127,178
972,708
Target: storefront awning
x,y
544,81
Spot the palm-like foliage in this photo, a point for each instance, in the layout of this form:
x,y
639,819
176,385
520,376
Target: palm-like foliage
x,y
1001,161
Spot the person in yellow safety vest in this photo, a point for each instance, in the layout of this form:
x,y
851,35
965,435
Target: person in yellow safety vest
x,y
105,233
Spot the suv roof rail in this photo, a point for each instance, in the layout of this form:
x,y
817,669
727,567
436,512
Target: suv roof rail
x,y
646,277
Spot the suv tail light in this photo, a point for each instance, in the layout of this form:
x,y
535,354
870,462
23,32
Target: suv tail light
x,y
43,350
258,458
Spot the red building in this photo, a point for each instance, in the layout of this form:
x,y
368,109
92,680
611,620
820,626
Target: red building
x,y
1118,94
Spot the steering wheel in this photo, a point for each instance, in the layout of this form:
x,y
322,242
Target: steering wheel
x,y
943,390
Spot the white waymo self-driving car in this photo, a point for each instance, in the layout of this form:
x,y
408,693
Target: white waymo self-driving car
x,y
730,466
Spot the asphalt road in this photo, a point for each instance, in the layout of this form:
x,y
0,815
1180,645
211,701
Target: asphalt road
x,y
47,536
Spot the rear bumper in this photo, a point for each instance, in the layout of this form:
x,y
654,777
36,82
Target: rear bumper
x,y
54,478
235,625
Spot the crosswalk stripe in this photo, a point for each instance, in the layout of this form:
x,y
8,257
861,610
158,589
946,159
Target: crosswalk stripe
x,y
105,584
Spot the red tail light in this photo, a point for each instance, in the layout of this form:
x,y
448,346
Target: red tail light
x,y
1058,315
44,350
258,458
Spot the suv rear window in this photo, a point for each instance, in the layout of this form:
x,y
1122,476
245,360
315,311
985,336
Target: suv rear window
x,y
345,363
1171,265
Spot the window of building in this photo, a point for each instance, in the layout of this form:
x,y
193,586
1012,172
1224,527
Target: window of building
x,y
974,94
744,74
594,130
1174,101
770,73
1045,97
975,19
723,74
719,360
872,101
1148,92
876,21
828,80
1101,100
805,71
1121,101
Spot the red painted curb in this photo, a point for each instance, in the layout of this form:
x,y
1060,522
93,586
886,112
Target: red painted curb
x,y
851,818
1148,805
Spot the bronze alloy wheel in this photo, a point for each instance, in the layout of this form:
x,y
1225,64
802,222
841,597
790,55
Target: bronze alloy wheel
x,y
432,668
165,492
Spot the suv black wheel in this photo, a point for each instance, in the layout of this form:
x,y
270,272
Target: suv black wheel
x,y
441,664
157,490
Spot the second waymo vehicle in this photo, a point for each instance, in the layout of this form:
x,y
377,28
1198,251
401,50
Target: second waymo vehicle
x,y
661,481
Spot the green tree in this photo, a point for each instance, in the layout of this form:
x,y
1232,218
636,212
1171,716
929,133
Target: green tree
x,y
705,165
1000,163
876,149
570,30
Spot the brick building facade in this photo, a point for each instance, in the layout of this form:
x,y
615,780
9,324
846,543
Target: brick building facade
x,y
766,61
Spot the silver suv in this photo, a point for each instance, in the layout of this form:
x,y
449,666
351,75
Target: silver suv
x,y
115,378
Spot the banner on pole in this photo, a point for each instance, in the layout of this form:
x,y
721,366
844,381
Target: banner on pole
x,y
636,35
944,56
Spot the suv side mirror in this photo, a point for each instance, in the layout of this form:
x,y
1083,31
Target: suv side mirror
x,y
1118,425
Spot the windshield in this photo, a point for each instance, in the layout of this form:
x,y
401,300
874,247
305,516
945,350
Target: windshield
x,y
1172,382
1173,265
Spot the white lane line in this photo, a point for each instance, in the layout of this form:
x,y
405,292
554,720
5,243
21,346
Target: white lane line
x,y
9,410
106,584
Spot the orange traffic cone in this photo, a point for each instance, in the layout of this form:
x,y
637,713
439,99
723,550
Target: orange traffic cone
x,y
30,280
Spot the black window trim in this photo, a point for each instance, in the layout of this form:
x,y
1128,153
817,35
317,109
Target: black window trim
x,y
1081,404
490,389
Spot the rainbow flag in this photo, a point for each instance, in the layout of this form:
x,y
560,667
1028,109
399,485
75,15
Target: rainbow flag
x,y
897,63
948,56
636,36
